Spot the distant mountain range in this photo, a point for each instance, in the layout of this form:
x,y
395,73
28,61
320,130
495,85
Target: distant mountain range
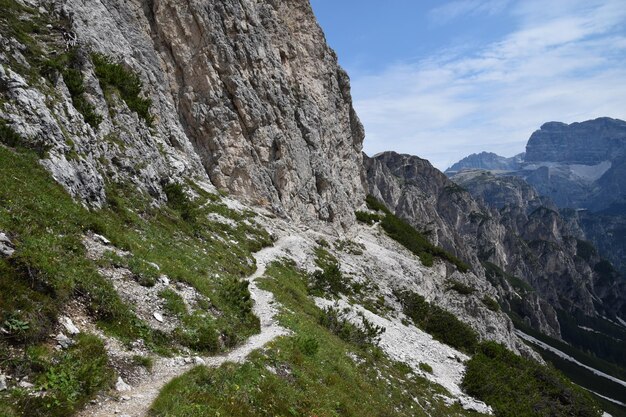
x,y
579,166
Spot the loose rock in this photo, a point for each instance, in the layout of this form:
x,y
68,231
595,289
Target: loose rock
x,y
122,386
69,325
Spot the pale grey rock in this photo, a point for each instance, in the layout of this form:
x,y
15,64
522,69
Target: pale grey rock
x,y
63,341
250,89
197,360
157,316
3,382
69,325
6,246
122,386
25,384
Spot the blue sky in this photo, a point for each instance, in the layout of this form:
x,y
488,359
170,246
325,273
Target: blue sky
x,y
443,79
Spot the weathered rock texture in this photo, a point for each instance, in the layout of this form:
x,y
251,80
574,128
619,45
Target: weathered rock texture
x,y
252,85
245,94
519,232
486,160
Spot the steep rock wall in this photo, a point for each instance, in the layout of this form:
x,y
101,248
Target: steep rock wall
x,y
252,86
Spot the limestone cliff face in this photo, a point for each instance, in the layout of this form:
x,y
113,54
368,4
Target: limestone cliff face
x,y
501,222
246,94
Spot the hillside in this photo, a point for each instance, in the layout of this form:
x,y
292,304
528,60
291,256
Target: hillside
x,y
188,227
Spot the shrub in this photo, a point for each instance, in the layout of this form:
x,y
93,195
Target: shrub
x,y
426,367
199,333
491,304
362,336
114,75
308,345
328,280
367,218
73,377
178,200
442,325
143,361
519,387
460,287
174,303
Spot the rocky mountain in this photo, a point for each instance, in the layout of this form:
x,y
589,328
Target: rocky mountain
x,y
184,230
487,160
494,221
578,166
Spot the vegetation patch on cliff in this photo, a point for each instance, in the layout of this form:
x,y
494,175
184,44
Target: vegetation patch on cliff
x,y
519,387
442,325
407,236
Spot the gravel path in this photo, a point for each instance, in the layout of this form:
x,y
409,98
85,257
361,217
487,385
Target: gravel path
x,y
137,400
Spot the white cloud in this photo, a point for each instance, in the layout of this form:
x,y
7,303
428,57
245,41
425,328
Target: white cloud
x,y
565,65
458,8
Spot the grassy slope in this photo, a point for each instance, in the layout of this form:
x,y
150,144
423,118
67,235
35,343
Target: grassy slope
x,y
50,267
314,374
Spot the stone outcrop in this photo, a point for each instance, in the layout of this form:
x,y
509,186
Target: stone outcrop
x,y
586,143
245,95
501,222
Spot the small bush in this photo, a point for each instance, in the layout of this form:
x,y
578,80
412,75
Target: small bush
x,y
73,377
491,304
174,303
442,325
308,345
328,281
199,333
460,287
144,273
143,361
519,387
367,218
362,336
426,367
178,200
114,75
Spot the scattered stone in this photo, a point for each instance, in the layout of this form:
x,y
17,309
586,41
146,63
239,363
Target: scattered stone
x,y
69,325
125,398
25,385
64,341
158,317
155,266
187,360
164,280
198,360
122,386
3,382
6,246
101,239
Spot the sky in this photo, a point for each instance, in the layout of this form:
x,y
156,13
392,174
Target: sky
x,y
444,79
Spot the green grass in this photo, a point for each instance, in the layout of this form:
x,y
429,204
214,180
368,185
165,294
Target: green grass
x,y
414,241
518,387
173,303
70,378
306,374
113,75
442,325
50,267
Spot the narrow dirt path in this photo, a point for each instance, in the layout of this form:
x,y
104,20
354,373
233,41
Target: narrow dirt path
x,y
136,402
